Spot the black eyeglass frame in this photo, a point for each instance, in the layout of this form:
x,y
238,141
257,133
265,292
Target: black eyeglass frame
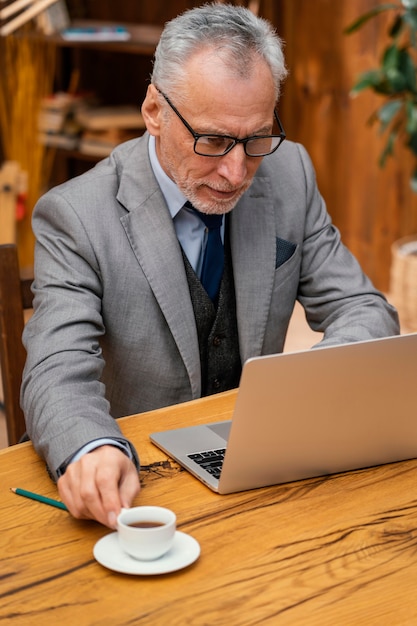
x,y
234,140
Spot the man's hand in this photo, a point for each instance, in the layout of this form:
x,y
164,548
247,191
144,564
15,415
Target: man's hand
x,y
99,484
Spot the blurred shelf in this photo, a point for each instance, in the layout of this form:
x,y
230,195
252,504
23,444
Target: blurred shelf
x,y
144,37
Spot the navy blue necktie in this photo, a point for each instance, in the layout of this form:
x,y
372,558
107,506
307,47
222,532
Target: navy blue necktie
x,y
213,261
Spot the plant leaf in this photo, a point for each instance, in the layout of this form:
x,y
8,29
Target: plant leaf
x,y
371,79
367,16
396,80
408,70
409,4
388,111
413,181
391,57
388,150
397,27
410,18
411,113
412,142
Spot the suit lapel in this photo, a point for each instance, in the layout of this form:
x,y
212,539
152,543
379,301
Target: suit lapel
x,y
253,244
152,236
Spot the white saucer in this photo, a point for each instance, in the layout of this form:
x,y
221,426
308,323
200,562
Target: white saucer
x,y
185,550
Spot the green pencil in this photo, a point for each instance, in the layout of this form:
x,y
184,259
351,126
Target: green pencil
x,y
36,496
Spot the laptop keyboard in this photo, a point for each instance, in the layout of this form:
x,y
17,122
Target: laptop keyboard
x,y
210,460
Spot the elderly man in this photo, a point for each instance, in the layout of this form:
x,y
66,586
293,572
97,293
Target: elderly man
x,y
160,271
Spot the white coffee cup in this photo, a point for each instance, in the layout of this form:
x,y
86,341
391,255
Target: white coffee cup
x,y
146,532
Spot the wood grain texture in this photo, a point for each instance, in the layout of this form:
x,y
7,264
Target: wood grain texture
x,y
332,550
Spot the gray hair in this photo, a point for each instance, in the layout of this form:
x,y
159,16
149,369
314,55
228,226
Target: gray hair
x,y
233,32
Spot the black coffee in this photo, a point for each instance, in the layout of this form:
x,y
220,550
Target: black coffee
x,y
146,524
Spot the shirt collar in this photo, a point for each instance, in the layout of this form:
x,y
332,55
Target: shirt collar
x,y
174,198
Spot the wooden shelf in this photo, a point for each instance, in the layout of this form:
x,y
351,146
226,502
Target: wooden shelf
x,y
144,38
110,80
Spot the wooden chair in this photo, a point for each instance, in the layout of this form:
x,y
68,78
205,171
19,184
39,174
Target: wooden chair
x,y
15,297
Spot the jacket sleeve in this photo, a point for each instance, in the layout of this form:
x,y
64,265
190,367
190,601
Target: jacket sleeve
x,y
338,298
62,395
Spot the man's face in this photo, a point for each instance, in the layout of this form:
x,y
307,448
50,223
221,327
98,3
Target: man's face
x,y
215,103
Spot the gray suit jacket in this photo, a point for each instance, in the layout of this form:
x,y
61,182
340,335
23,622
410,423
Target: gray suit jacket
x,y
113,332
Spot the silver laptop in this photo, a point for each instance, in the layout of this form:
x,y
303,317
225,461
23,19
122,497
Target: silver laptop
x,y
305,414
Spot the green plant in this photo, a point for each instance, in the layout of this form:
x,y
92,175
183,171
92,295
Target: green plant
x,y
395,79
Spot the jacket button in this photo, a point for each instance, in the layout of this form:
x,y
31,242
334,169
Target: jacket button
x,y
217,341
216,383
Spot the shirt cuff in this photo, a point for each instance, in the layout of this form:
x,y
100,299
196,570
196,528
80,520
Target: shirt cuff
x,y
92,445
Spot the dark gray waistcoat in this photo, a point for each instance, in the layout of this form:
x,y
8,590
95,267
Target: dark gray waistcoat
x,y
217,330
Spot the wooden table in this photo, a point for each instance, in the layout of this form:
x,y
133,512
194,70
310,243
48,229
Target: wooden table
x,y
338,550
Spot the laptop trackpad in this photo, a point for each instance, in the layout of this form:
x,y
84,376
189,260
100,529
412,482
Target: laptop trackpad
x,y
221,428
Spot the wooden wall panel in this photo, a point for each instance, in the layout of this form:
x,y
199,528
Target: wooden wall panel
x,y
371,206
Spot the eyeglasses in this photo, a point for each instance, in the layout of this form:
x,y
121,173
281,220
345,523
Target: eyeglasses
x,y
218,145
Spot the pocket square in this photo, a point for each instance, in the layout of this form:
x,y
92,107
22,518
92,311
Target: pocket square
x,y
285,250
